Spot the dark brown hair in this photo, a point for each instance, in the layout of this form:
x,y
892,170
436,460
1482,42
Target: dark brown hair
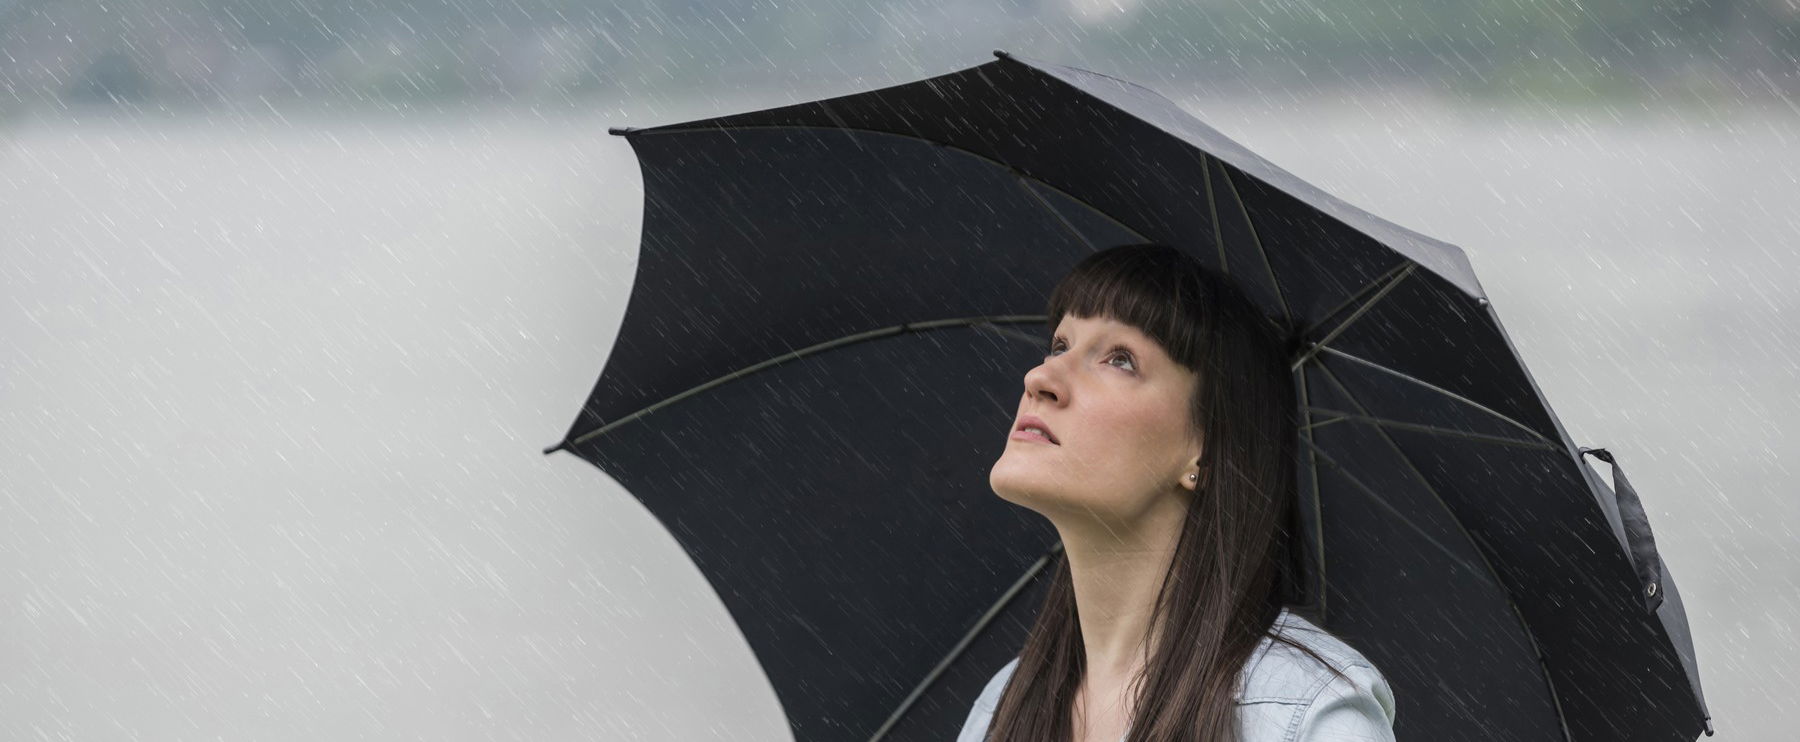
x,y
1234,562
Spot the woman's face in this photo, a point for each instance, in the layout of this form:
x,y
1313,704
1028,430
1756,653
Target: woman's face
x,y
1117,408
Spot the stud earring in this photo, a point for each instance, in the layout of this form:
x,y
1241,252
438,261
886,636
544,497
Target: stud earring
x,y
1192,477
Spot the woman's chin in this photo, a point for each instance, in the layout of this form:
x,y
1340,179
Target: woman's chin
x,y
1024,486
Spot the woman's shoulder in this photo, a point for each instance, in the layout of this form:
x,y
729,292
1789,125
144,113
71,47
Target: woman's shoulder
x,y
990,695
982,713
1284,694
1277,671
1281,690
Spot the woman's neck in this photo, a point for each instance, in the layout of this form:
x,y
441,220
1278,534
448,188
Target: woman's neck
x,y
1117,567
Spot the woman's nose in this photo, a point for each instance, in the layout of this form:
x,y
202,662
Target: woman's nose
x,y
1040,382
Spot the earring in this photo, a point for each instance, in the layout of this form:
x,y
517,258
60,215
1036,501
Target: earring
x,y
1192,477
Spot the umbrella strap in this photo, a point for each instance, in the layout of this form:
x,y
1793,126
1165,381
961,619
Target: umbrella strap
x,y
1640,545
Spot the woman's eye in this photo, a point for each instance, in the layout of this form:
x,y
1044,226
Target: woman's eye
x,y
1115,353
1124,355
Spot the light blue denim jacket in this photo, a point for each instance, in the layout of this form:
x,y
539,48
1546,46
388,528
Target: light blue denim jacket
x,y
1283,695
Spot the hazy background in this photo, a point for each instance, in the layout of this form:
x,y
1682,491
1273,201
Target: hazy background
x,y
291,297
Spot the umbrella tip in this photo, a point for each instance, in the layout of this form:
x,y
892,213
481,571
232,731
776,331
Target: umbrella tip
x,y
1001,54
619,130
555,448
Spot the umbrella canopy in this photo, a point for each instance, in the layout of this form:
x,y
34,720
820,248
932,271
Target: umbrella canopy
x,y
834,307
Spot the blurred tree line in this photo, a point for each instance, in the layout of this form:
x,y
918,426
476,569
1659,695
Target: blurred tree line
x,y
176,53
1565,49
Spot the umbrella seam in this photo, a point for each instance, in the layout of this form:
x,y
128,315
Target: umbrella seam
x,y
796,355
1021,180
1287,313
1318,345
1543,662
1320,200
914,137
1212,206
1379,500
1481,548
1357,296
1440,390
1436,430
987,617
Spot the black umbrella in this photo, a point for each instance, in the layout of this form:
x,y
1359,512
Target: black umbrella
x,y
834,307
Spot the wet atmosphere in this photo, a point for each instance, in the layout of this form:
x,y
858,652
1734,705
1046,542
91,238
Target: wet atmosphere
x,y
282,343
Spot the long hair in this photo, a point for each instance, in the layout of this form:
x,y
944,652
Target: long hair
x,y
1234,564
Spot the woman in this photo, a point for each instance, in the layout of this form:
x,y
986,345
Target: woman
x,y
1158,436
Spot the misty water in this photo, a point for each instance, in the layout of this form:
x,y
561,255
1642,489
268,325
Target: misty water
x,y
276,384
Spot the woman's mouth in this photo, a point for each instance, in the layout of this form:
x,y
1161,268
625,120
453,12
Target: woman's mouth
x,y
1033,428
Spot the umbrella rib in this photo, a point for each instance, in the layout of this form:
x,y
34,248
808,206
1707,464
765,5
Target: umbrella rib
x,y
1378,282
1327,420
1379,500
1440,390
1015,334
1212,206
1543,663
1436,430
1021,179
945,145
1387,284
1481,550
968,638
1318,517
1256,239
983,322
